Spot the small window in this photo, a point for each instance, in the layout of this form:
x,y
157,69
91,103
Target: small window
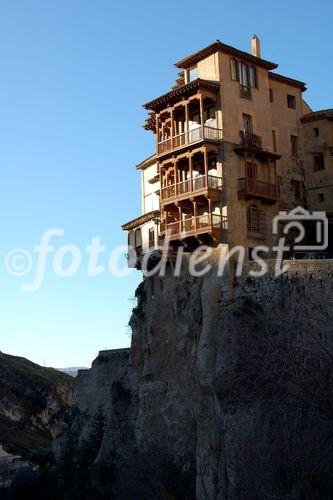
x,y
247,123
291,101
316,132
243,74
253,77
193,73
138,238
274,141
321,197
294,145
151,238
234,70
271,95
318,162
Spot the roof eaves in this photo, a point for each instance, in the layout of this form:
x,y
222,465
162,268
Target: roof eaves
x,y
289,81
147,162
218,46
174,93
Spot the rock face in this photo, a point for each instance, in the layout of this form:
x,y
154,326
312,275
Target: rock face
x,y
226,392
33,400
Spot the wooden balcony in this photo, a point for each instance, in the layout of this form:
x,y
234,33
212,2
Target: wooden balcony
x,y
199,186
252,188
209,223
190,137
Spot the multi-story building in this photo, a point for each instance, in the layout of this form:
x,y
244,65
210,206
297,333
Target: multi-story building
x,y
318,159
231,137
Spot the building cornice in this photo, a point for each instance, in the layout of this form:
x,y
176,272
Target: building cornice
x,y
218,46
128,226
288,81
174,95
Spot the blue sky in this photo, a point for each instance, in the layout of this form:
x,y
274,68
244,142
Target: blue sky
x,y
73,77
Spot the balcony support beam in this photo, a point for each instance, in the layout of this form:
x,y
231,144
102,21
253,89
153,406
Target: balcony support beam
x,y
157,118
210,210
206,166
191,171
187,123
175,174
202,115
195,212
180,218
172,126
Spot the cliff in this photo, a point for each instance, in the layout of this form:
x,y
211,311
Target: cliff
x,y
226,392
33,401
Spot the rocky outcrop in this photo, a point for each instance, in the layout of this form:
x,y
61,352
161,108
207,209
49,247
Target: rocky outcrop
x,y
226,392
33,402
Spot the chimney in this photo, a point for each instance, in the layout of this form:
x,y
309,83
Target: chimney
x,y
255,44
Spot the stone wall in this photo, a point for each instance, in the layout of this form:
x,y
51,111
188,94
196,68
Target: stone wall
x,y
173,405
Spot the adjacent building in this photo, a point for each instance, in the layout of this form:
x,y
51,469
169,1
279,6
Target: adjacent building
x,y
235,144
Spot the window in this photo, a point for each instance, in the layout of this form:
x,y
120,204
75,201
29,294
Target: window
x,y
250,253
234,70
137,238
321,197
316,132
271,95
191,74
244,74
256,221
291,101
251,170
253,76
297,189
294,145
274,141
318,162
151,237
247,123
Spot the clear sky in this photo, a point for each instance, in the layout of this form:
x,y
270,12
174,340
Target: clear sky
x,y
73,76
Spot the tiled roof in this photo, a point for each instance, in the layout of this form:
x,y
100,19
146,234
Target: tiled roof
x,y
323,114
140,220
147,162
174,95
218,46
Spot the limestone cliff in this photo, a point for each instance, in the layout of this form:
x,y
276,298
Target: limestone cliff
x,y
226,392
33,400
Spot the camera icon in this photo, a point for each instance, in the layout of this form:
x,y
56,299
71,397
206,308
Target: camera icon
x,y
300,219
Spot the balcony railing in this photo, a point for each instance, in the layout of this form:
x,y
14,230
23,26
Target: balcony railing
x,y
198,184
252,187
250,139
197,134
195,225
